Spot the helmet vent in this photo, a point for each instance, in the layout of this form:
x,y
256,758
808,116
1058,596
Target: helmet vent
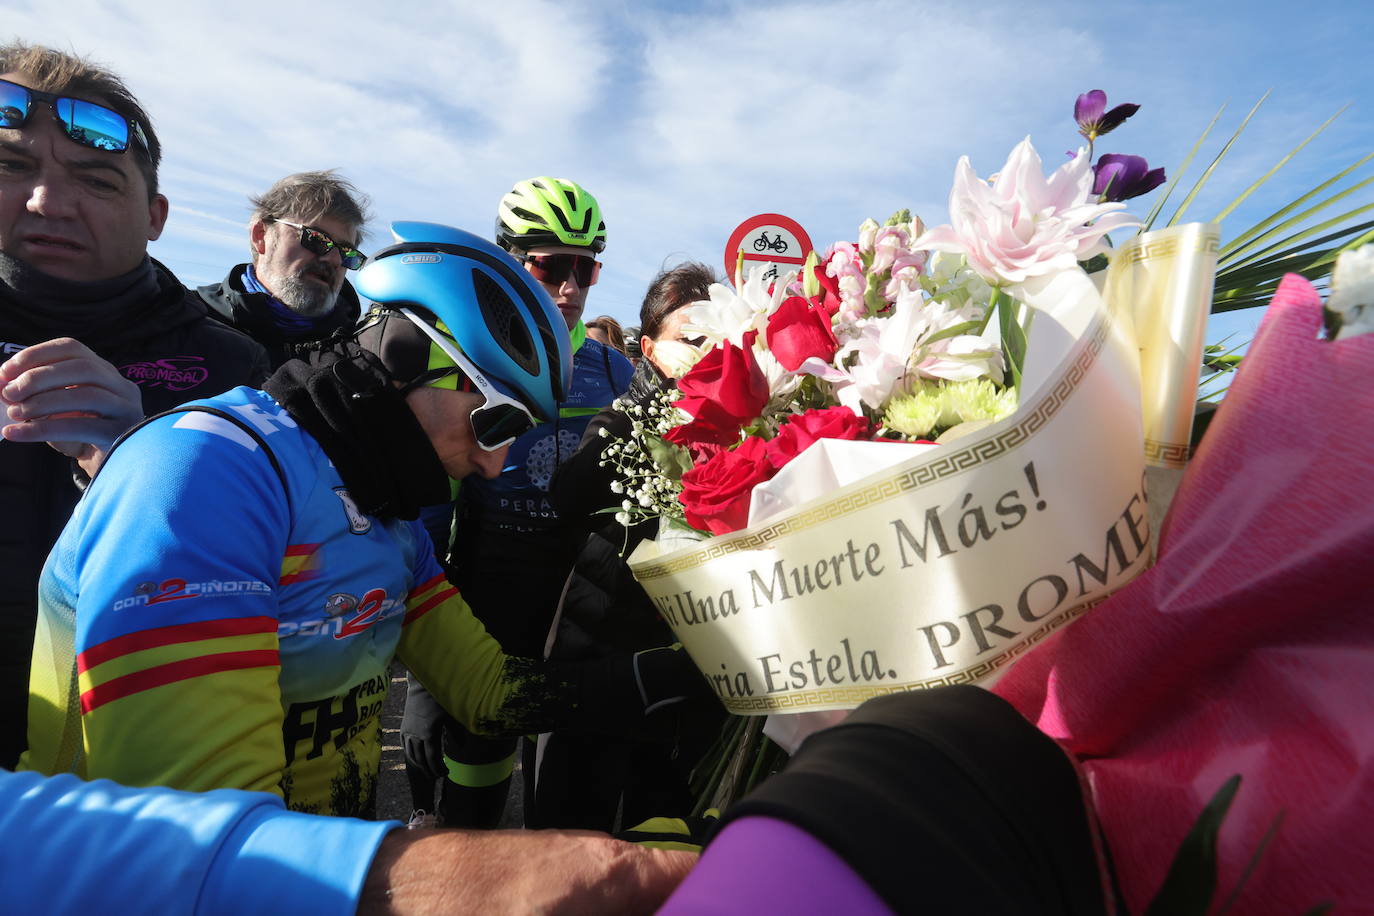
x,y
503,320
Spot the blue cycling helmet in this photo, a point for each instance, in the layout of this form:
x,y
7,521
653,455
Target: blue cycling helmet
x,y
479,297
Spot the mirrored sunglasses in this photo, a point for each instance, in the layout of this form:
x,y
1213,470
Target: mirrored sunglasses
x,y
501,419
321,243
556,268
84,122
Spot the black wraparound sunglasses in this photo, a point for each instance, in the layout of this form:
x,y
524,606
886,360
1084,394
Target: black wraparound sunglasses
x,y
319,242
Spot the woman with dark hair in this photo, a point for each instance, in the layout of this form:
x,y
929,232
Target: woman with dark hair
x,y
580,781
663,313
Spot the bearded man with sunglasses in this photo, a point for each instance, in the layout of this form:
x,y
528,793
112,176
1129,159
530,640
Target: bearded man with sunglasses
x,y
93,332
511,554
304,234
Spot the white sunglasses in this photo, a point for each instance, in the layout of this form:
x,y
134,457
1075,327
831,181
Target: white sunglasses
x,y
499,421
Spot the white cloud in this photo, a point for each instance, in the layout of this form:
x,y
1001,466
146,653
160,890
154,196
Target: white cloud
x,y
682,120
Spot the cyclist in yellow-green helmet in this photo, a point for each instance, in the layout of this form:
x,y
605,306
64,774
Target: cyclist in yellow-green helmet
x,y
511,554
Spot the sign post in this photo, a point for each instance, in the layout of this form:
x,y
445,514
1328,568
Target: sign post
x,y
768,242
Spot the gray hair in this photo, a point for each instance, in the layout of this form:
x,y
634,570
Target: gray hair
x,y
308,196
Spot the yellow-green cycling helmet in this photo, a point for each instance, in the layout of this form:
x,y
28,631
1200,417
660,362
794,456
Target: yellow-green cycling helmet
x,y
550,211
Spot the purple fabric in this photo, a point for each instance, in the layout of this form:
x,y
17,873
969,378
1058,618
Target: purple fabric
x,y
761,865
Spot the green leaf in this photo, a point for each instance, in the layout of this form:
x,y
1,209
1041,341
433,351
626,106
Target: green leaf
x,y
1013,337
1192,878
672,459
955,331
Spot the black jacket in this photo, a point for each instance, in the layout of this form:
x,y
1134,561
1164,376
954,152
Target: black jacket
x,y
166,344
605,609
229,302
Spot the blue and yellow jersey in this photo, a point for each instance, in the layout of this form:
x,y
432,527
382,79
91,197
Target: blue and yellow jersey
x,y
206,623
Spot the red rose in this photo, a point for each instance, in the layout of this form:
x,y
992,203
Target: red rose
x,y
723,392
803,429
799,330
716,493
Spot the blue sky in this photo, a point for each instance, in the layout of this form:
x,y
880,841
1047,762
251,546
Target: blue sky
x,y
685,119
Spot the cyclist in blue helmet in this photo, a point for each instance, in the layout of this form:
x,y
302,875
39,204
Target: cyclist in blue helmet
x,y
222,609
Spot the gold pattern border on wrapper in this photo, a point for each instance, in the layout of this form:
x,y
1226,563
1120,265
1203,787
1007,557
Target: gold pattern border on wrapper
x,y
926,472
1167,276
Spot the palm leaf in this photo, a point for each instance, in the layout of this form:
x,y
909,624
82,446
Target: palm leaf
x,y
1275,265
1264,224
1192,877
1179,172
1297,244
1278,165
1298,220
1207,174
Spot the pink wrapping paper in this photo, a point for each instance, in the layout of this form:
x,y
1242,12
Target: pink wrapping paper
x,y
1249,647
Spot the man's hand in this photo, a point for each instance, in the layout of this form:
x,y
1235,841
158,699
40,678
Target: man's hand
x,y
61,393
518,871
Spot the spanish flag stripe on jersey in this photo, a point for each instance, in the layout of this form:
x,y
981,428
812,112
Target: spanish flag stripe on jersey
x,y
428,605
182,670
158,656
166,636
299,563
418,591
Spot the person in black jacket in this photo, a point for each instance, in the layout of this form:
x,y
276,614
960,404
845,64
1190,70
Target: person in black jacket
x,y
93,332
582,781
304,234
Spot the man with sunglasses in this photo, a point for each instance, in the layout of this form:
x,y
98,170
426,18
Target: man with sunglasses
x,y
304,234
510,554
93,332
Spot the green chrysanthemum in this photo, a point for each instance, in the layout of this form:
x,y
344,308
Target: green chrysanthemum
x,y
979,399
932,407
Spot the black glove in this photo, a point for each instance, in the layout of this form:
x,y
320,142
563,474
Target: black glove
x,y
634,696
422,727
666,676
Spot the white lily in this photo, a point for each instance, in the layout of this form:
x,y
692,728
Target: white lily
x,y
1022,224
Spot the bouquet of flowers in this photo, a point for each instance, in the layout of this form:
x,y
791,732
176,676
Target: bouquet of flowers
x,y
922,454
906,335
977,365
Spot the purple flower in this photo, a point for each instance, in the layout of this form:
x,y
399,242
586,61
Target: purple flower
x,y
1120,177
1090,111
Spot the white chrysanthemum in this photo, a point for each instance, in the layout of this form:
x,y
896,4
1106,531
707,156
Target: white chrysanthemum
x,y
1352,291
729,315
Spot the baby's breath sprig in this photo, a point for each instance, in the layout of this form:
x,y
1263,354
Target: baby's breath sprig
x,y
649,468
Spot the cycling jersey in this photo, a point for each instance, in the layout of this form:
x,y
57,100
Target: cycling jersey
x,y
205,622
518,499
